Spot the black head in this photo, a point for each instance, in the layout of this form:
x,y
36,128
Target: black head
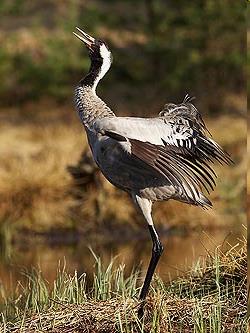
x,y
100,56
98,49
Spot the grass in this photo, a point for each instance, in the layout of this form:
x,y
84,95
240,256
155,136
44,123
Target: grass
x,y
211,298
39,195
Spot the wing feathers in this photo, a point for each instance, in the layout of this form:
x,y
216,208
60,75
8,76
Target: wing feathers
x,y
115,136
190,172
181,172
175,145
149,154
210,150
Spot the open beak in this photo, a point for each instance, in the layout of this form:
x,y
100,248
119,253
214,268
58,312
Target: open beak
x,y
85,38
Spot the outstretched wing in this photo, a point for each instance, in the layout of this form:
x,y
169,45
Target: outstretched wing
x,y
175,144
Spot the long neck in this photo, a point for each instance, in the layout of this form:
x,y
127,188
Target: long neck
x,y
99,67
88,105
94,75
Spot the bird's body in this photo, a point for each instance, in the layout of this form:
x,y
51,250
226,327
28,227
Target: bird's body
x,y
120,144
160,158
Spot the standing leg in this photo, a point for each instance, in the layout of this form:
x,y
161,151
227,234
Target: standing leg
x,y
156,254
146,207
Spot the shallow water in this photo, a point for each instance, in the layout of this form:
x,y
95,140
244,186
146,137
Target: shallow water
x,y
181,252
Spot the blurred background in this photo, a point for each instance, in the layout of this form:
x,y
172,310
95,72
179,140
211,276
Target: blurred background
x,y
54,203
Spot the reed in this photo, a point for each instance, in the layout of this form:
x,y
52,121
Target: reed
x,y
211,297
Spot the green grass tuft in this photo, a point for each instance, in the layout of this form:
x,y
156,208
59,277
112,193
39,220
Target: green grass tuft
x,y
211,298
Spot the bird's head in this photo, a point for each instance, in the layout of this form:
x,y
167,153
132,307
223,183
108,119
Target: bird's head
x,y
98,49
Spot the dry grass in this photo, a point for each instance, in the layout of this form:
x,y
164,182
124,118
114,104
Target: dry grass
x,y
38,193
118,315
33,177
212,297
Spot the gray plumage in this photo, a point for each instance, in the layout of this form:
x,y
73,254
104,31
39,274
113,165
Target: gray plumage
x,y
160,158
89,106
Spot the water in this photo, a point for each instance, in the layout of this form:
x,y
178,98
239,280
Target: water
x,y
181,252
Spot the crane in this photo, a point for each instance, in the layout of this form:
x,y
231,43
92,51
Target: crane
x,y
153,159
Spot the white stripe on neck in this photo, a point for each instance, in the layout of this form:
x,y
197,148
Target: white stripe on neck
x,y
106,58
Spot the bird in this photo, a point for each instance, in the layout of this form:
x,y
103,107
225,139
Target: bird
x,y
153,159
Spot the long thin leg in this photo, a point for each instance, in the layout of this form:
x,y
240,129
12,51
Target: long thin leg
x,y
156,254
146,206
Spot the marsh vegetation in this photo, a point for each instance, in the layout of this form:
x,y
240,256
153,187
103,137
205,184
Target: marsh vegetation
x,y
209,298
